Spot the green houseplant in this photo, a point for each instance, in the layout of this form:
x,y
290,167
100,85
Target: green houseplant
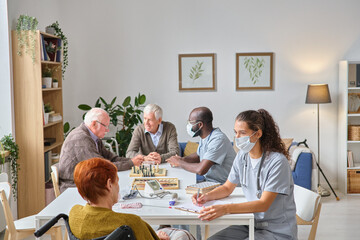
x,y
60,34
124,117
8,144
26,34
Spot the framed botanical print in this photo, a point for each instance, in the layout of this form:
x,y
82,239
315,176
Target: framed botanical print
x,y
196,72
254,71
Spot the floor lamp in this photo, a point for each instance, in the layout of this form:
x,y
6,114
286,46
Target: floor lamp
x,y
317,94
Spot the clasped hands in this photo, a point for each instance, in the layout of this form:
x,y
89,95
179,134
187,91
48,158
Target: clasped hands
x,y
208,213
151,157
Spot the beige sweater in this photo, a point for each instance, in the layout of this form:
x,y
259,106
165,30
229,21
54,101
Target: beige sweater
x,y
141,142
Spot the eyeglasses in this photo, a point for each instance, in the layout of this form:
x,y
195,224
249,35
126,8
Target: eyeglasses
x,y
194,121
107,127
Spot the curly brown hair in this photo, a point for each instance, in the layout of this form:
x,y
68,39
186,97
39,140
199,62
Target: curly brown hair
x,y
261,119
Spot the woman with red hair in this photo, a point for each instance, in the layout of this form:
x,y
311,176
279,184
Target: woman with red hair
x,y
97,182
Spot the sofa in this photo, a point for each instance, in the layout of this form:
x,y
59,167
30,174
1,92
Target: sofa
x,y
301,173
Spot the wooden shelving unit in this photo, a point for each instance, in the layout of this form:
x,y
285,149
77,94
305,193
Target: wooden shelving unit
x,y
30,131
348,177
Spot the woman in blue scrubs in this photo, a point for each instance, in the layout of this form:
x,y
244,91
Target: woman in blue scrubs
x,y
261,167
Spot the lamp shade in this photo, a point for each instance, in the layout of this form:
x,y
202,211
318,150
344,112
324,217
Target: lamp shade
x,y
318,93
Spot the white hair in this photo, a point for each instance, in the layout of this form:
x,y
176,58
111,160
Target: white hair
x,y
94,114
153,108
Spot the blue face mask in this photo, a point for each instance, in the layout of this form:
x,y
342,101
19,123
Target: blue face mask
x,y
189,130
244,144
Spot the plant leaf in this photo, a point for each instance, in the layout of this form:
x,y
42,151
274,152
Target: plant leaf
x,y
66,127
126,101
84,107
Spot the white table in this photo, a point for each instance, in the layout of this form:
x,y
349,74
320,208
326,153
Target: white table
x,y
156,214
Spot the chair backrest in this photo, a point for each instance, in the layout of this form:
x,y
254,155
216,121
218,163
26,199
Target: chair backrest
x,y
121,233
3,178
5,190
109,145
55,180
308,208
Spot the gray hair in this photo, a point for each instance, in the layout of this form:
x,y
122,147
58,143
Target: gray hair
x,y
94,114
153,108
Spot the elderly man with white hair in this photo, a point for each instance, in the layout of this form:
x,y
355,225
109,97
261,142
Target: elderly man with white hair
x,y
155,139
84,142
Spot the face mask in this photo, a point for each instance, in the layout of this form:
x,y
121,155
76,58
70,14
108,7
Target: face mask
x,y
244,144
189,130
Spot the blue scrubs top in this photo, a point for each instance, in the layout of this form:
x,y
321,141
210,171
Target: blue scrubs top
x,y
275,176
217,148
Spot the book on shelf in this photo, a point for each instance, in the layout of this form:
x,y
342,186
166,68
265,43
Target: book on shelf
x,y
59,51
47,165
44,55
203,187
354,75
350,158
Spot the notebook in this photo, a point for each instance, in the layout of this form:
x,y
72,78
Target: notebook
x,y
204,187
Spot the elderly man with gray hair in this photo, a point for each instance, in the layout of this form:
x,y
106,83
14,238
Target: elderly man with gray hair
x,y
84,142
155,139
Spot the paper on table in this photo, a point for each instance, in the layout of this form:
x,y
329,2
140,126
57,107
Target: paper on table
x,y
190,207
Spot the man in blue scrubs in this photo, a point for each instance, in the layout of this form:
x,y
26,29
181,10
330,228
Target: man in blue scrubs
x,y
215,154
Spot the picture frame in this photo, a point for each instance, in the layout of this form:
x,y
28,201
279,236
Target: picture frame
x,y
197,72
254,71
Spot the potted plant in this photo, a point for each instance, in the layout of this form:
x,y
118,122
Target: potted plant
x,y
8,144
47,110
55,83
59,33
47,77
26,34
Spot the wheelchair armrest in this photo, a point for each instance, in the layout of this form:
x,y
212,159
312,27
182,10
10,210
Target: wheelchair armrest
x,y
49,224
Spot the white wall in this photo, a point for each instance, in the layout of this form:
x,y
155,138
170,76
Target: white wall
x,y
120,48
5,86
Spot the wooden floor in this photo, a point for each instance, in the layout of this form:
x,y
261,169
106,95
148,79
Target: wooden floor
x,y
338,219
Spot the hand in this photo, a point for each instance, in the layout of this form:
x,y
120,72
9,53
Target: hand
x,y
203,198
153,157
212,212
174,161
162,235
137,160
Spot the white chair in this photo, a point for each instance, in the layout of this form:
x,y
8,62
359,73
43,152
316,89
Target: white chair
x,y
308,208
23,227
110,145
55,180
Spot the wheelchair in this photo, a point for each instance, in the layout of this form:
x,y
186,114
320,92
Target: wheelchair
x,y
121,233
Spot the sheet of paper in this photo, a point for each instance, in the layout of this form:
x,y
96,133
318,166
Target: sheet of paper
x,y
190,207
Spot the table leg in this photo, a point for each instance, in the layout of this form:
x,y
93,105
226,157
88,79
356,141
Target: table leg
x,y
192,230
251,230
207,231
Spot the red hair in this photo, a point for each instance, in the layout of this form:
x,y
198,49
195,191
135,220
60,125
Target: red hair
x,y
91,176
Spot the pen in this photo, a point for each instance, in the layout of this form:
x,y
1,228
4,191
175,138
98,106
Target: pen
x,y
197,197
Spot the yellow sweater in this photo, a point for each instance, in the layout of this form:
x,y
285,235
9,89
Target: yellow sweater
x,y
87,222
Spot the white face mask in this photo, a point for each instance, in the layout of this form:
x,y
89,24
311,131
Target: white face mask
x,y
244,144
189,130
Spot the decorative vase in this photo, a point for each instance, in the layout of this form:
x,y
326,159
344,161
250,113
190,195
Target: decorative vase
x,y
46,118
55,84
50,30
47,81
